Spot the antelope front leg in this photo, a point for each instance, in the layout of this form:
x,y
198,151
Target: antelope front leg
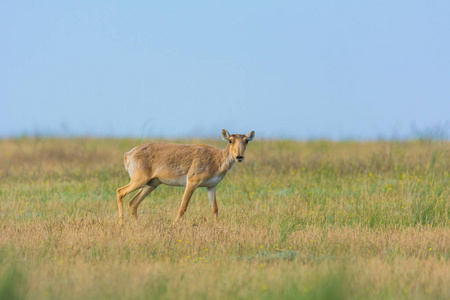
x,y
212,200
190,188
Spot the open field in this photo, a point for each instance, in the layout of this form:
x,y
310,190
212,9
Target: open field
x,y
298,220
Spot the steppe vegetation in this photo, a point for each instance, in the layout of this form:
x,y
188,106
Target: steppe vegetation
x,y
298,220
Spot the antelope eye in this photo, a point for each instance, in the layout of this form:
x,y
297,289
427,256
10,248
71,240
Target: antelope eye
x,y
229,141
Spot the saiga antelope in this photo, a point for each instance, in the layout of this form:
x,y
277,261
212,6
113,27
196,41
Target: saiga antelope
x,y
192,166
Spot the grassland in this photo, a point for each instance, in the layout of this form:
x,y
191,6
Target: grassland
x,y
299,220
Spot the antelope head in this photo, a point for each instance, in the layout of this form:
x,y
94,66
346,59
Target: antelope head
x,y
238,143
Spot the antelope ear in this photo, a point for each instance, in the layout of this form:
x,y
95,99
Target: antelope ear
x,y
225,135
250,136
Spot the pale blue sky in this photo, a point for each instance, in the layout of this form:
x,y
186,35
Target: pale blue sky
x,y
295,69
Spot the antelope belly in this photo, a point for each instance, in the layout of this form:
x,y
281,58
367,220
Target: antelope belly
x,y
213,181
179,181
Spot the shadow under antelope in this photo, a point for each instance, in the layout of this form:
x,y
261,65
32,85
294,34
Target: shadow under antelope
x,y
191,166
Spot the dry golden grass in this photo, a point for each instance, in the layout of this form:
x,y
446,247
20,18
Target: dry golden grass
x,y
299,220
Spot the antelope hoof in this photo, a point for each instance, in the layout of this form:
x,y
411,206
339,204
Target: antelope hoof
x,y
175,222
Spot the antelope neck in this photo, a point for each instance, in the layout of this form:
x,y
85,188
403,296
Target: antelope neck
x,y
227,159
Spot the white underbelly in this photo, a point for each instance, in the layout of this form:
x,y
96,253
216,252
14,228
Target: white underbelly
x,y
213,181
180,181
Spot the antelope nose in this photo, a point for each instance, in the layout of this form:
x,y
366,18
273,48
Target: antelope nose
x,y
240,158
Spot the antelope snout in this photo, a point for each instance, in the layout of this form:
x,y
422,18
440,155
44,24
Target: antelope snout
x,y
240,158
